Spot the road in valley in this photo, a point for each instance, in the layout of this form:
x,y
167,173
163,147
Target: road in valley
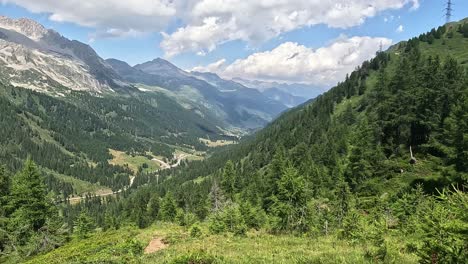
x,y
164,166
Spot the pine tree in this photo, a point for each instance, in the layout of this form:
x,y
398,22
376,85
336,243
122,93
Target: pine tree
x,y
168,209
228,180
290,202
83,225
5,185
29,198
153,207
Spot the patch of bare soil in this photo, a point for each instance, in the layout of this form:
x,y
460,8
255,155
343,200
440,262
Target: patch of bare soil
x,y
155,245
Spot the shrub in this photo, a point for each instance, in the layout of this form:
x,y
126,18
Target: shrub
x,y
197,257
195,231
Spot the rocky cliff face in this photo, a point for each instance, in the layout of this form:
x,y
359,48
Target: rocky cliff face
x,y
34,57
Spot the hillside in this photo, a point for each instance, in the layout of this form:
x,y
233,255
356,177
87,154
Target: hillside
x,y
373,171
227,101
69,110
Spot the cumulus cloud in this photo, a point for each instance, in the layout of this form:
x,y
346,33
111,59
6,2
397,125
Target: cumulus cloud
x,y
216,67
209,23
400,29
292,62
111,18
213,22
202,39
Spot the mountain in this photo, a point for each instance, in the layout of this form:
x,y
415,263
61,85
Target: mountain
x,y
376,167
237,106
41,59
69,109
272,93
285,98
36,58
296,89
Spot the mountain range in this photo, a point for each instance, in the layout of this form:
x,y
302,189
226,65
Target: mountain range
x,y
41,59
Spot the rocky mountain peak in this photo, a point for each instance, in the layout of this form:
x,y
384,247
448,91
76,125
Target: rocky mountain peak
x,y
27,27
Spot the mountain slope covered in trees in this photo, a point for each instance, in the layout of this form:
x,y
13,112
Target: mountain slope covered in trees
x,y
376,167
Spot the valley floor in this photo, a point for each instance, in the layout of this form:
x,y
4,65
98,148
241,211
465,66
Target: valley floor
x,y
170,243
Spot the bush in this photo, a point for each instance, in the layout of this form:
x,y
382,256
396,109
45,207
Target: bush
x,y
185,219
132,247
198,257
216,224
230,219
195,231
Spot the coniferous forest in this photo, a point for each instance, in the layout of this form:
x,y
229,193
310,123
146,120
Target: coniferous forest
x,y
375,170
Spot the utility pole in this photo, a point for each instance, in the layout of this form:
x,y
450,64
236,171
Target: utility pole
x,y
448,11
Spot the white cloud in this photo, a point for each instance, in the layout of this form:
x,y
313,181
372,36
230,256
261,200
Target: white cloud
x,y
209,23
291,62
110,18
400,29
201,39
216,66
213,22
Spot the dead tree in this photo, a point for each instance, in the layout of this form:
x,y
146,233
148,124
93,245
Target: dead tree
x,y
413,159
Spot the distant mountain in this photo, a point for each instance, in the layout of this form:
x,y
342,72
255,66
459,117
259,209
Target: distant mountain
x,y
40,59
285,98
233,103
297,89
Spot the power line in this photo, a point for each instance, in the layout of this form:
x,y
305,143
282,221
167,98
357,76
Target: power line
x,y
448,11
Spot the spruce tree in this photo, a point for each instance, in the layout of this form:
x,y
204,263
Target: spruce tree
x,y
29,198
228,180
83,225
168,209
5,185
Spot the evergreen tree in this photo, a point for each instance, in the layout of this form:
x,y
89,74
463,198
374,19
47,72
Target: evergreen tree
x,y
29,201
290,202
83,225
168,209
228,180
153,207
5,185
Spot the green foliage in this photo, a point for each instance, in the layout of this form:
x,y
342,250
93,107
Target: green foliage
x,y
83,225
443,227
230,219
28,198
168,209
195,231
154,207
228,179
289,204
198,257
132,247
217,223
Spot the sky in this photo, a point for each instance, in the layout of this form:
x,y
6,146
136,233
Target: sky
x,y
316,42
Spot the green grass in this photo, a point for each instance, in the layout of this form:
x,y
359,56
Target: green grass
x,y
133,162
456,46
255,247
81,187
102,247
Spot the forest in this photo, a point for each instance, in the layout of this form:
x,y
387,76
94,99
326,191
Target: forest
x,y
379,163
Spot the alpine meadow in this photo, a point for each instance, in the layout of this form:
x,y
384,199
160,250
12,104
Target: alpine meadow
x,y
284,136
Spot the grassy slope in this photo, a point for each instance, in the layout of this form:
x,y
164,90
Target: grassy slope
x,y
255,247
133,162
260,247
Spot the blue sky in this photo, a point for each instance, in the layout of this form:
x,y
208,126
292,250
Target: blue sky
x,y
198,34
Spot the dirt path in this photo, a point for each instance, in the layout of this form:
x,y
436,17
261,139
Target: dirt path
x,y
74,200
155,245
164,165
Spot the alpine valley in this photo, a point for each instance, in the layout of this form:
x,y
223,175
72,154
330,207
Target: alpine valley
x,y
104,162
